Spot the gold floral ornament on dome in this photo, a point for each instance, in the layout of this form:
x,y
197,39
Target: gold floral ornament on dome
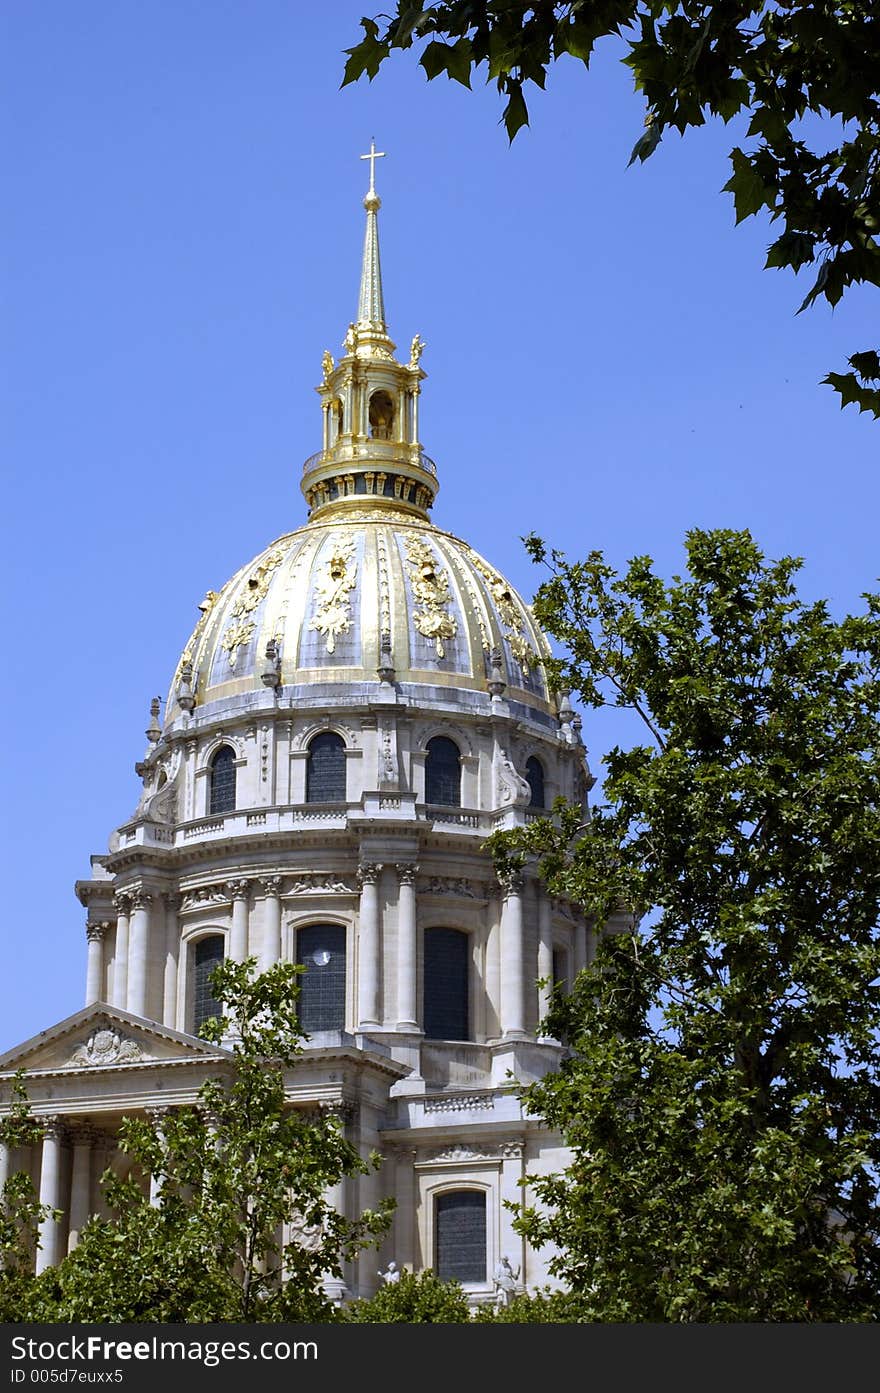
x,y
333,587
432,593
240,630
509,614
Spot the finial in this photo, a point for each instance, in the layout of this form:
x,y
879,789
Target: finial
x,y
327,363
371,307
185,697
271,674
373,156
496,683
385,669
154,730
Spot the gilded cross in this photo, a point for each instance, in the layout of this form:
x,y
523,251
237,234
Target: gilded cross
x,y
373,156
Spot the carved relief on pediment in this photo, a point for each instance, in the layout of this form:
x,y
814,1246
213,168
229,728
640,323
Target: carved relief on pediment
x,y
105,1046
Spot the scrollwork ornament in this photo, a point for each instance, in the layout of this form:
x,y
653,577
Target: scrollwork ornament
x,y
431,592
335,582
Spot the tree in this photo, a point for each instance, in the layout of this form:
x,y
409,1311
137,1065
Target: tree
x,y
722,1092
21,1212
414,1299
231,1173
798,69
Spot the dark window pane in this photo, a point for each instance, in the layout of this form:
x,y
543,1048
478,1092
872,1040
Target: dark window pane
x,y
223,781
461,1236
208,954
535,777
446,984
443,772
321,950
325,775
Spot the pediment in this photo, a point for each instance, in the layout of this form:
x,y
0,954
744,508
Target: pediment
x,y
104,1037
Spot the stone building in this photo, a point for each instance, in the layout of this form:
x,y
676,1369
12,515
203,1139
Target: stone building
x,y
356,710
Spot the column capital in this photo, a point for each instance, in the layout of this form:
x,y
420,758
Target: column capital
x,y
173,900
122,902
407,872
141,899
83,1133
95,930
511,882
271,884
241,889
369,872
52,1127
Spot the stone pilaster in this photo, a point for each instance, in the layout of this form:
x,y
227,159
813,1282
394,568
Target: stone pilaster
x,y
49,1250
83,1137
95,933
119,993
368,946
545,953
172,959
407,1006
139,952
271,946
512,947
239,892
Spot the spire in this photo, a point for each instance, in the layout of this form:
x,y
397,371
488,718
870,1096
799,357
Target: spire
x,y
371,456
371,307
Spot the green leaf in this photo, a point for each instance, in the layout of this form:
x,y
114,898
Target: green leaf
x,y
750,193
516,112
646,144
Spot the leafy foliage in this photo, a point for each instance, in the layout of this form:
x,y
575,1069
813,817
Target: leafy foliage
x,y
21,1212
417,1299
232,1172
543,1307
795,68
722,1095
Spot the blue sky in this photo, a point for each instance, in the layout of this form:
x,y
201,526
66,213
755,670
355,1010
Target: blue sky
x,y
608,364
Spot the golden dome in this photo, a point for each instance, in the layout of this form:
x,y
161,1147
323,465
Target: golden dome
x,y
370,589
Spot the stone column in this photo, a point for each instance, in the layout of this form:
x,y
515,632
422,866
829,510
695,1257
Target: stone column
x,y
95,934
271,947
404,1229
238,891
5,1163
512,944
579,936
407,1008
139,952
512,1172
83,1136
368,946
49,1250
156,1117
172,955
119,992
545,953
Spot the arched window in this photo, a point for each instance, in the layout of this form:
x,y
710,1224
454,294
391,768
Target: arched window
x,y
209,953
320,949
446,1014
325,773
223,780
535,779
443,772
381,416
460,1233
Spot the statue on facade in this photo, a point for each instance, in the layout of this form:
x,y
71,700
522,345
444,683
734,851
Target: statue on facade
x,y
391,1274
505,1280
416,350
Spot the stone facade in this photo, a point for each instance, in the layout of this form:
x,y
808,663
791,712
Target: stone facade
x,y
371,625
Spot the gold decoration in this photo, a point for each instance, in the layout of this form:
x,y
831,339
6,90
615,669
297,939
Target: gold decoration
x,y
417,347
432,592
327,363
241,629
510,615
337,579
